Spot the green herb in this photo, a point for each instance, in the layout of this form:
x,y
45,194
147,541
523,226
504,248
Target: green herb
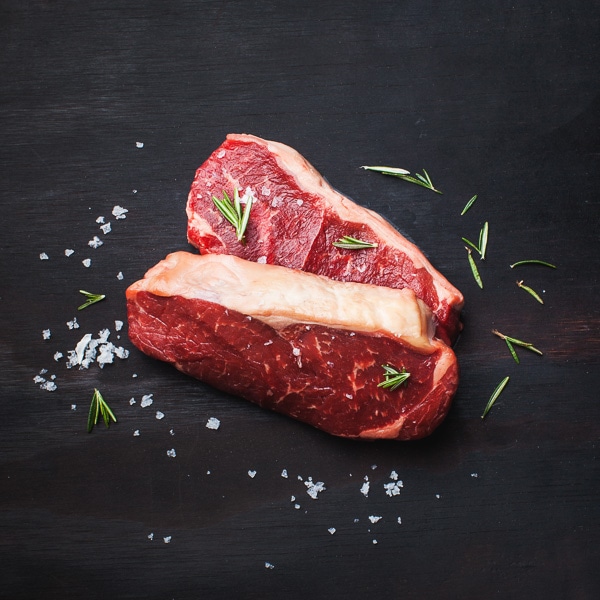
x,y
530,291
532,262
99,407
511,342
483,241
474,268
495,395
393,378
422,180
91,299
232,211
350,243
468,205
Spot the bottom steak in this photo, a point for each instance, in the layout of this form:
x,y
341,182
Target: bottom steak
x,y
311,348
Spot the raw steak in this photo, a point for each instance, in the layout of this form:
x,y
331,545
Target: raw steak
x,y
301,344
295,218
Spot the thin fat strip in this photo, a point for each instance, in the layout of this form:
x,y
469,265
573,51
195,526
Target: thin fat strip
x,y
286,354
296,217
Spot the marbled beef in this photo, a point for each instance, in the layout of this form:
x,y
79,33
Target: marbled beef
x,y
296,216
301,344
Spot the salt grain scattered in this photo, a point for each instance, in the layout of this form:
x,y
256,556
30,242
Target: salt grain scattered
x,y
73,324
171,432
213,423
131,401
136,433
120,275
160,415
139,144
95,242
118,325
284,473
106,228
119,212
73,406
331,530
269,565
364,490
150,536
87,262
146,400
69,251
474,475
172,453
58,356
374,519
221,154
252,474
44,256
399,520
46,334
261,260
313,489
100,220
167,540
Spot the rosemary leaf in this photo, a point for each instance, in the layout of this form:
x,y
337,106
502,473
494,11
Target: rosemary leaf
x,y
530,291
350,243
422,180
483,240
532,262
468,205
474,269
470,243
512,350
90,299
393,378
495,395
99,407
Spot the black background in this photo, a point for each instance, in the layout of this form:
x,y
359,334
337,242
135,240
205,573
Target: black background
x,y
497,99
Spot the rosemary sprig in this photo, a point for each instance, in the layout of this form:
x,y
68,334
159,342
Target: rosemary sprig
x,y
393,378
532,262
468,205
232,211
99,407
474,268
511,342
350,243
90,299
530,291
422,180
495,395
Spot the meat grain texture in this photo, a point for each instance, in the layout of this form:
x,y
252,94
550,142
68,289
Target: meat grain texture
x,y
301,344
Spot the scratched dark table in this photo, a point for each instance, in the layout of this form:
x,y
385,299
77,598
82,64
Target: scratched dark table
x,y
110,104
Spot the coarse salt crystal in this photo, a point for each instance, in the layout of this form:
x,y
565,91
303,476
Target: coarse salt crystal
x,y
374,541
261,260
46,334
221,153
213,423
106,228
296,351
331,530
374,519
147,400
73,406
160,415
150,536
313,489
44,256
394,476
69,251
252,474
474,475
299,202
284,473
58,356
171,432
399,520
269,565
120,275
87,262
139,144
131,401
172,453
95,242
73,324
167,539
49,386
136,433
119,212
118,325
364,490
100,220
392,488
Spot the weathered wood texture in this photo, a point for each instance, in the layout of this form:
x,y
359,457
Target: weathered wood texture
x,y
500,101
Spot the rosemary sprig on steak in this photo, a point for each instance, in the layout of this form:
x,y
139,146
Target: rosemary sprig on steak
x,y
99,407
232,211
511,342
393,378
422,180
495,395
350,243
90,299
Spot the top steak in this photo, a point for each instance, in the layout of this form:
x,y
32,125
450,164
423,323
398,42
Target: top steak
x,y
295,218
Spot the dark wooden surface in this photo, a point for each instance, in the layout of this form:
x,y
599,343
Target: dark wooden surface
x,y
500,101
